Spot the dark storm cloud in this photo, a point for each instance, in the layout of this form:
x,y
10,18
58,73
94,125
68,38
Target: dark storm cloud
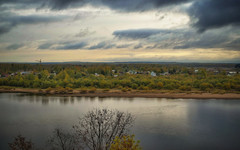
x,y
10,20
100,45
205,41
204,14
235,44
138,5
123,46
21,4
31,19
14,46
17,1
182,39
72,46
45,46
207,14
108,45
4,28
136,33
138,46
121,5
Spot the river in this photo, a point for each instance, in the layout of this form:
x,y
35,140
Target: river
x,y
160,124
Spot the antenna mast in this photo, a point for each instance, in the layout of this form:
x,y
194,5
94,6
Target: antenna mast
x,y
40,61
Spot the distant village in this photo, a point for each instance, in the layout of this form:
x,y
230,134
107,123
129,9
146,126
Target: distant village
x,y
5,75
115,73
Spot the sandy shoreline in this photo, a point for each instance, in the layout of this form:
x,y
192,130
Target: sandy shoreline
x,y
130,94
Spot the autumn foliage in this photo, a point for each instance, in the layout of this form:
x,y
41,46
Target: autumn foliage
x,y
125,143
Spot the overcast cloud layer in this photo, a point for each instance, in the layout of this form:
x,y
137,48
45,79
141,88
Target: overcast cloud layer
x,y
104,30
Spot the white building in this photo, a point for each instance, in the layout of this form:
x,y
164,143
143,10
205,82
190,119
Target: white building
x,y
96,74
153,74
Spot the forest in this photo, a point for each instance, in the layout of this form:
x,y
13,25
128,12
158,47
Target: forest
x,y
122,76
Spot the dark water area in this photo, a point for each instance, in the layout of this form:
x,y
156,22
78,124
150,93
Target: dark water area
x,y
160,124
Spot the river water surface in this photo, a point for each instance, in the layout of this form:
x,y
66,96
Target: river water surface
x,y
160,124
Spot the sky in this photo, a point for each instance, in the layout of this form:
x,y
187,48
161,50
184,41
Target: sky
x,y
120,30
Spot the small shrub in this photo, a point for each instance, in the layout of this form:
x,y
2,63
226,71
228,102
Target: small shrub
x,y
227,86
206,86
83,91
92,90
7,88
222,92
129,89
69,90
48,90
40,91
143,88
185,88
60,90
124,90
106,90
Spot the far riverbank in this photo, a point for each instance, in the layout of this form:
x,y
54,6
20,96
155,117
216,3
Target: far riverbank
x,y
119,93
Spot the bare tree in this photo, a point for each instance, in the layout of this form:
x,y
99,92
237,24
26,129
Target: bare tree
x,y
99,127
61,140
20,143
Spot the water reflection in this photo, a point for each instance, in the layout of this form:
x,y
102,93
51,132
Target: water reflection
x,y
160,123
45,100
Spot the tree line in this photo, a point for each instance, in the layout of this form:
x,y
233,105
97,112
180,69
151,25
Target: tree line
x,y
116,76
